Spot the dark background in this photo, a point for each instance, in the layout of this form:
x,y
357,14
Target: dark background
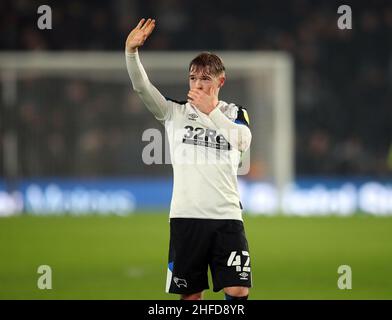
x,y
343,79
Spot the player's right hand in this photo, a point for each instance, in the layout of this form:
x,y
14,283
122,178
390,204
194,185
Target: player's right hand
x,y
138,35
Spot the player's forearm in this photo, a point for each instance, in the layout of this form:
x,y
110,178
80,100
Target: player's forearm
x,y
237,135
152,98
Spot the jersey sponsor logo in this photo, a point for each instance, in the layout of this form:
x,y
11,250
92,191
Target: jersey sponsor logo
x,y
180,282
205,137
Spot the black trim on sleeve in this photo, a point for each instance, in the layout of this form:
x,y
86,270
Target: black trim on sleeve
x,y
176,101
241,117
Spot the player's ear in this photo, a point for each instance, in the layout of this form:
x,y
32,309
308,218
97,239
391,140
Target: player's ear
x,y
222,80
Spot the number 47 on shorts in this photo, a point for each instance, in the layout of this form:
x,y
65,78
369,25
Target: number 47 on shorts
x,y
235,261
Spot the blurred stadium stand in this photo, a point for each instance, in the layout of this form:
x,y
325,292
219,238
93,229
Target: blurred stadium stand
x,y
343,85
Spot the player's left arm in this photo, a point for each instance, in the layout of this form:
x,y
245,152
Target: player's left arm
x,y
237,133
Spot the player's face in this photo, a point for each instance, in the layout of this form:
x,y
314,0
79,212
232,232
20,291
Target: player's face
x,y
204,81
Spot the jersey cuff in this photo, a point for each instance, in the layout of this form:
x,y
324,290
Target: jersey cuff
x,y
215,113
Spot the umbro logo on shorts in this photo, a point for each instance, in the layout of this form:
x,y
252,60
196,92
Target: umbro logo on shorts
x,y
244,276
180,282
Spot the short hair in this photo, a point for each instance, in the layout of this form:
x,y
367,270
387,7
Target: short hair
x,y
207,62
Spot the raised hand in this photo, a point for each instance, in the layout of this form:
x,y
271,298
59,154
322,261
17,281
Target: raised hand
x,y
138,35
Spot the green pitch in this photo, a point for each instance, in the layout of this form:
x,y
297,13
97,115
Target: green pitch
x,y
111,257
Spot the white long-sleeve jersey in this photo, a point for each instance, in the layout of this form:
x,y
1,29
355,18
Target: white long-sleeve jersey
x,y
205,150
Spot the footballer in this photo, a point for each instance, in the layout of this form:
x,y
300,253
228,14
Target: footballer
x,y
206,226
